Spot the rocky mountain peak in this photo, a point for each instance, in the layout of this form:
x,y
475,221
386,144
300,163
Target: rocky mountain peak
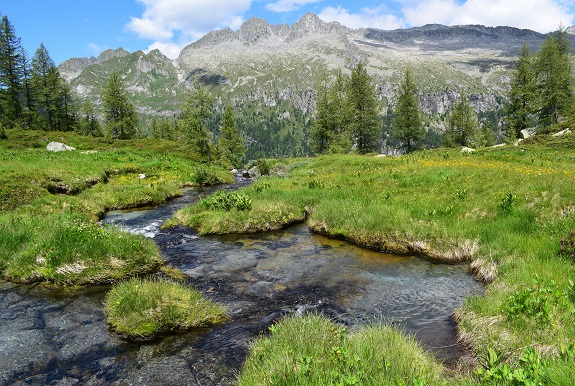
x,y
111,54
215,37
253,30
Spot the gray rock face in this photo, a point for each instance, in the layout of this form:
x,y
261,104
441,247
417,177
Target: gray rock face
x,y
58,146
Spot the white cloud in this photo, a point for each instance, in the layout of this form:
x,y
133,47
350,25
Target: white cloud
x,y
288,5
377,17
175,23
171,50
95,49
538,15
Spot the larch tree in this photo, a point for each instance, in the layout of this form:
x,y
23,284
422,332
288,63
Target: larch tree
x,y
462,123
330,131
88,123
365,122
120,119
193,124
555,79
231,145
12,74
407,123
45,84
521,105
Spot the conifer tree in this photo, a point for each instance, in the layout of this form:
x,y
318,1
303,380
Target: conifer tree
x,y
45,84
330,131
88,121
231,145
522,95
462,123
11,74
365,124
120,119
555,79
407,123
193,124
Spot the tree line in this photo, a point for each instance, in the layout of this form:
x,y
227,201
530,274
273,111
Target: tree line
x,y
349,116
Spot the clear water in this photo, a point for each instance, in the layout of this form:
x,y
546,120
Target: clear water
x,y
59,337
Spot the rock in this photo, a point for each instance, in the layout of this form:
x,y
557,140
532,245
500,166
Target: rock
x,y
467,150
234,171
562,132
530,132
58,146
381,156
499,145
141,176
246,174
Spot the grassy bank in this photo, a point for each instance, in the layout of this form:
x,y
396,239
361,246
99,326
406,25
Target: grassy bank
x,y
49,203
141,310
312,350
505,210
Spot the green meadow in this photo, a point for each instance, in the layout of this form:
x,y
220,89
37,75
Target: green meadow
x,y
50,203
508,211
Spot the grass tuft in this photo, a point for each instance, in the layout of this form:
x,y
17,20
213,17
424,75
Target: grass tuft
x,y
143,309
312,350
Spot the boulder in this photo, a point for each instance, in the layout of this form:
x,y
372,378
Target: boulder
x,y
58,146
530,132
467,150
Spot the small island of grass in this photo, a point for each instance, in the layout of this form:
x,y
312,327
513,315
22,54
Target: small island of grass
x,y
143,309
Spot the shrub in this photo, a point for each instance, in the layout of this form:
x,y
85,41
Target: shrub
x,y
142,309
206,175
224,200
2,132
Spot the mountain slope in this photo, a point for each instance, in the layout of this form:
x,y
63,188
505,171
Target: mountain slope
x,y
273,70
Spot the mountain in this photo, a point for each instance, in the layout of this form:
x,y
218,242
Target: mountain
x,y
270,72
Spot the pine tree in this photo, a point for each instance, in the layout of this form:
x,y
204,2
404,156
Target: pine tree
x,y
522,95
120,119
555,79
11,74
365,122
407,123
193,124
231,145
462,123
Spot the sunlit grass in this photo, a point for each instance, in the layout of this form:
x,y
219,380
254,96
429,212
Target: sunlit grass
x,y
49,203
312,350
142,309
504,210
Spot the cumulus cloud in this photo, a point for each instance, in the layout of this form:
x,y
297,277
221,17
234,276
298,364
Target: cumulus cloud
x,y
175,23
538,15
378,17
288,5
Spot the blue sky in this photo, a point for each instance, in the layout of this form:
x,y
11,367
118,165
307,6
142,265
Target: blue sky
x,y
79,28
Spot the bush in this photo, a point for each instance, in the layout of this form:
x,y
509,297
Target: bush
x,y
142,309
206,175
224,200
2,132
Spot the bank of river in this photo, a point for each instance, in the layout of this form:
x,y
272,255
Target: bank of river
x,y
57,337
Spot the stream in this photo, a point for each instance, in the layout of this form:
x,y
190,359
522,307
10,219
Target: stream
x,y
57,337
